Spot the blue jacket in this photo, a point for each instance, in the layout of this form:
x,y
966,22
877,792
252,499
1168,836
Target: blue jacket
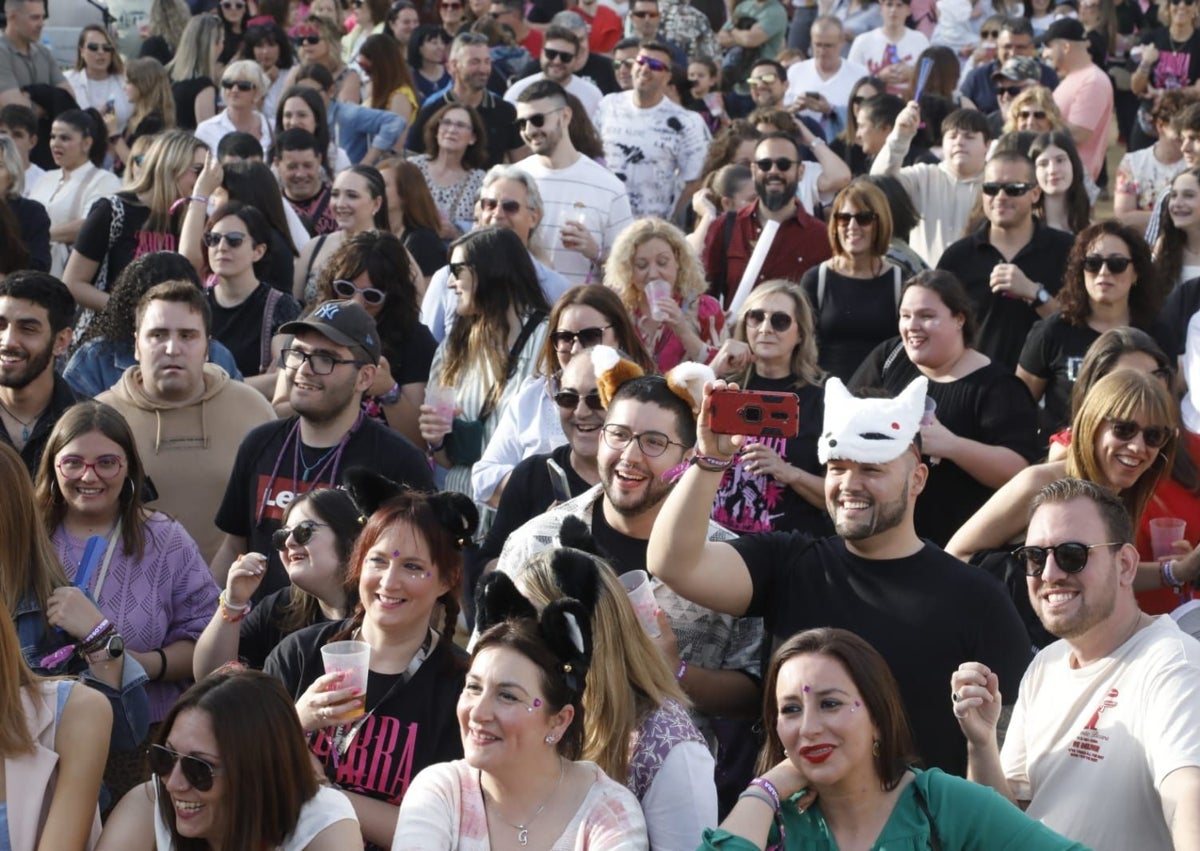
x,y
357,128
99,364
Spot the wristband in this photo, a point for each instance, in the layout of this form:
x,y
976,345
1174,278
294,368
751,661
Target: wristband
x,y
1168,575
239,612
768,787
391,397
162,670
759,796
97,642
201,198
96,632
679,675
712,464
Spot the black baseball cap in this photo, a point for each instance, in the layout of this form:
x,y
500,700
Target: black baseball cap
x,y
343,321
1068,29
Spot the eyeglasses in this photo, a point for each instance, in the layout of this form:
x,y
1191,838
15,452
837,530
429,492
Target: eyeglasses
x,y
1155,437
1009,91
105,466
1036,114
1071,556
302,40
346,289
96,47
550,55
1116,263
319,362
197,772
301,533
509,205
780,163
862,218
644,14
780,321
564,341
451,124
620,64
1012,190
235,238
230,6
537,120
652,63
457,269
240,85
989,34
651,443
1184,2
763,80
569,399
858,100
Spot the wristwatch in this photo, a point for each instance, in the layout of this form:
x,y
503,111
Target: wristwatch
x,y
1043,296
112,648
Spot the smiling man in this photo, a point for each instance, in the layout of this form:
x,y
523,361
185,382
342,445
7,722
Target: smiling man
x,y
561,56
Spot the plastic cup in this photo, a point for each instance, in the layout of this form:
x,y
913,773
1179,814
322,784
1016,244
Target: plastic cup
x,y
641,595
442,399
930,411
353,659
1165,531
657,291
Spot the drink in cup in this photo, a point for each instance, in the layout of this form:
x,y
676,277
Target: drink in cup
x,y
352,659
657,291
641,595
442,399
1164,532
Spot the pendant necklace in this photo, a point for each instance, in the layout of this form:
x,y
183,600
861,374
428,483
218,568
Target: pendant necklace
x,y
523,828
25,426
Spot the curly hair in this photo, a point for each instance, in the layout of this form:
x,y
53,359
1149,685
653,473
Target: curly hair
x,y
118,321
1145,297
618,271
724,145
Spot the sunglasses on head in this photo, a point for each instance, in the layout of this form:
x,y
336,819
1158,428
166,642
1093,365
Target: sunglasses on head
x,y
1012,190
235,238
301,533
1155,437
302,40
587,337
569,400
862,218
780,163
1071,556
537,119
1038,114
509,205
95,47
780,321
240,85
1011,91
652,63
1116,263
346,289
197,772
563,56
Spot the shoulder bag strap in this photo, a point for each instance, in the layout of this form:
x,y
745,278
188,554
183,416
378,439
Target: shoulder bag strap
x,y
268,318
935,842
821,270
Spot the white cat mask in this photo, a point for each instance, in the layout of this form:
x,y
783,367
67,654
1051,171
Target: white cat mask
x,y
870,431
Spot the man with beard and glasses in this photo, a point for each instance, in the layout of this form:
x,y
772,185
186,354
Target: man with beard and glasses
x,y
921,608
560,60
1110,712
329,364
584,206
37,314
801,241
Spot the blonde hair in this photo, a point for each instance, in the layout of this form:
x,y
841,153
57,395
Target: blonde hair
x,y
132,169
248,69
149,79
803,364
169,18
1038,97
116,66
196,55
628,678
11,162
618,271
170,154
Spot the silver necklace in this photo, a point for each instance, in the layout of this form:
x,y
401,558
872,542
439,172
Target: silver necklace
x,y
25,426
523,829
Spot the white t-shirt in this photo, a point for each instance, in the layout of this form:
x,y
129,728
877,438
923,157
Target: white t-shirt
x,y
804,77
875,51
587,92
1108,733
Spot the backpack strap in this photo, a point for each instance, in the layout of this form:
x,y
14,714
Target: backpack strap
x,y
268,321
897,284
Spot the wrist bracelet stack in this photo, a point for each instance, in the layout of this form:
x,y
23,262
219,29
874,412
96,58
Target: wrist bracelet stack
x,y
711,463
1169,579
764,790
239,612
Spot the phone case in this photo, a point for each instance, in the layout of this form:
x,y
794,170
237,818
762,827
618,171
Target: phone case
x,y
756,413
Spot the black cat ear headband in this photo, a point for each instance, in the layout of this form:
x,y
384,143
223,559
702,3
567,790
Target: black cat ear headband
x,y
455,512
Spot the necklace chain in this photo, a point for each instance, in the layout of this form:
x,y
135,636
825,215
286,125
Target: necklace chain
x,y
25,426
523,828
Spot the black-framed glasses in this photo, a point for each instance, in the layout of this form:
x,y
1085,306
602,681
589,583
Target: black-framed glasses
x,y
235,238
96,47
537,119
302,40
861,218
1154,436
651,443
508,205
75,466
563,56
240,85
457,269
564,341
321,363
1012,190
646,13
569,400
1011,91
301,533
1026,114
780,163
780,321
858,100
652,63
1070,556
1115,262
346,289
197,772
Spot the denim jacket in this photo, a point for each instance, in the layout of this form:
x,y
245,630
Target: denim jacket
x,y
355,125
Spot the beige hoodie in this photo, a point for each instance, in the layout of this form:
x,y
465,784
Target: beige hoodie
x,y
188,449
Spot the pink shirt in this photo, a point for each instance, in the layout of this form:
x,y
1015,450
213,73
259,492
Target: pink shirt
x,y
1085,98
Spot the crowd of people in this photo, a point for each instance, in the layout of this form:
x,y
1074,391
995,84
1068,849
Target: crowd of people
x,y
408,329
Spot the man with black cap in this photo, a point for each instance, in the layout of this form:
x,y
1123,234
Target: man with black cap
x,y
1084,93
330,363
1011,79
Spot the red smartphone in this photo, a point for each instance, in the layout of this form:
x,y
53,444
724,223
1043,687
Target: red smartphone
x,y
753,412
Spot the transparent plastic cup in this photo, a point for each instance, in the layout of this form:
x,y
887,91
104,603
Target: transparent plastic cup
x,y
1164,532
353,659
641,595
657,291
442,399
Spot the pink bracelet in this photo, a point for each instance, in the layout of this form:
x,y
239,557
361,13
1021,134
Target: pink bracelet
x,y
768,787
682,670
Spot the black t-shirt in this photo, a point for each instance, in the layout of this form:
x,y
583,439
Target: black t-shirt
x,y
621,551
157,47
262,629
265,480
853,317
499,120
926,614
1179,308
34,222
427,249
409,352
240,327
990,405
185,93
279,264
131,242
1174,69
1004,322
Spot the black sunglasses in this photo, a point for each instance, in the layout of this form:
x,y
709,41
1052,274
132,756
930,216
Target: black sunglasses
x,y
510,206
1012,190
1039,114
1115,263
301,533
1184,2
97,46
456,269
569,399
652,63
989,34
562,56
235,239
1011,91
780,163
537,119
346,289
302,40
863,218
644,14
240,85
197,772
1071,557
1155,437
564,341
780,321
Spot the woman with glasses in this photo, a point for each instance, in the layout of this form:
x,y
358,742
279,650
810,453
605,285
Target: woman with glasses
x,y
369,19
148,579
315,542
1177,249
980,425
1064,203
319,39
230,770
427,51
243,87
234,14
98,78
856,294
453,16
453,165
1034,110
196,63
407,567
268,45
148,87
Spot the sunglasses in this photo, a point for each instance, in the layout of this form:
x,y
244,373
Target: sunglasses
x,y
1116,264
96,47
240,85
1155,437
569,400
1010,91
1183,2
551,55
1012,190
644,14
858,100
451,6
1038,114
235,238
652,63
509,205
564,341
302,40
537,120
863,218
346,289
1071,557
623,63
301,533
197,772
989,34
780,321
457,269
780,163
233,7
762,80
